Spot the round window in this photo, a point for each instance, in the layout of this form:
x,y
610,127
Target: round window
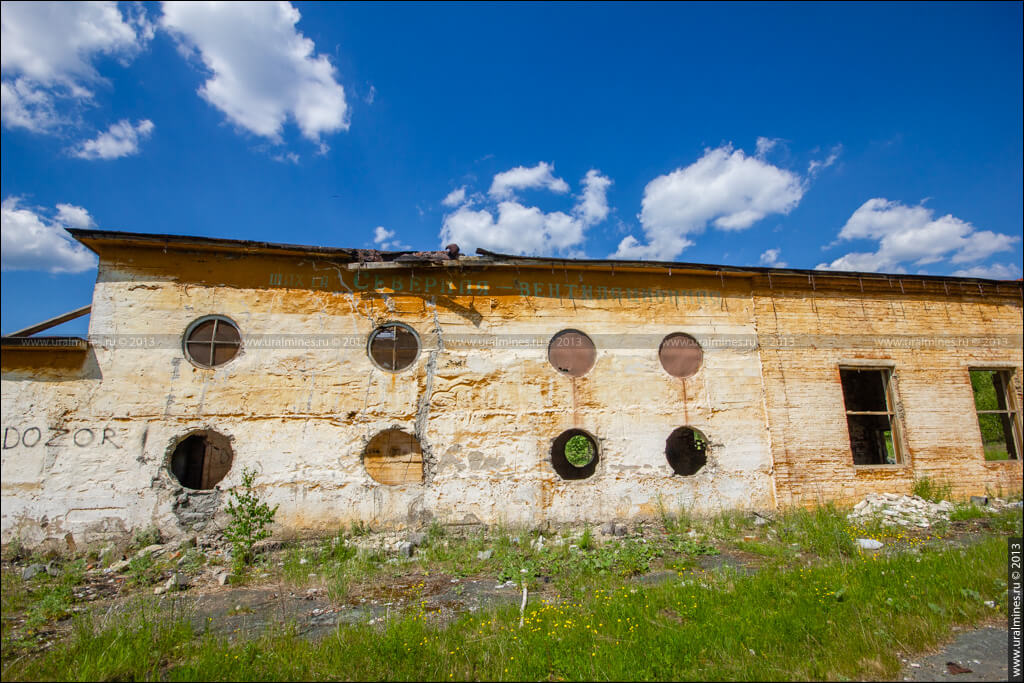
x,y
574,454
393,347
572,353
680,355
200,460
394,457
212,341
686,450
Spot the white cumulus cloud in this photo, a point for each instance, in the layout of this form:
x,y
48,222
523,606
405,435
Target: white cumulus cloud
x,y
997,271
912,234
120,140
770,258
263,71
593,205
724,188
455,197
512,227
521,178
385,239
31,241
73,216
47,50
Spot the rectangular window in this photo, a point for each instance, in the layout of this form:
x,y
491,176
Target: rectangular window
x,y
871,416
997,418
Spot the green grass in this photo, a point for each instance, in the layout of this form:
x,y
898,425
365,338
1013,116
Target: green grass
x,y
996,450
966,511
934,490
42,600
579,451
844,618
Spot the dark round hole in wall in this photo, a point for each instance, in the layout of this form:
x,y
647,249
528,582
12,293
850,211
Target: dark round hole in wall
x,y
567,450
201,460
686,450
572,352
680,355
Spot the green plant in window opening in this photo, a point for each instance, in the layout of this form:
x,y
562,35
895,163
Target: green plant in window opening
x,y
579,451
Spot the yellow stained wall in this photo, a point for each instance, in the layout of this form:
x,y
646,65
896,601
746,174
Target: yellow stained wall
x,y
302,400
928,338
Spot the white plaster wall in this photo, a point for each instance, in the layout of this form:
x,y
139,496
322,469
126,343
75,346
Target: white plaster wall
x,y
302,417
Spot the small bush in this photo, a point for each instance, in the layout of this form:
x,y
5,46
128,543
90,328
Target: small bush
x,y
586,541
932,489
250,518
147,537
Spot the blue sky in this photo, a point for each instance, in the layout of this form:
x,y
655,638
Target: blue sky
x,y
879,137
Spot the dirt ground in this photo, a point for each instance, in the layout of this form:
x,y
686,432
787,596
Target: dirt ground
x,y
983,651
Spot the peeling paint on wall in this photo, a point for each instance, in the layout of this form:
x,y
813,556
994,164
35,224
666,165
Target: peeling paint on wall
x,y
481,398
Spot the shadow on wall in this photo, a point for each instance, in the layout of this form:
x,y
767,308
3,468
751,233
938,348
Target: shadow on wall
x,y
49,365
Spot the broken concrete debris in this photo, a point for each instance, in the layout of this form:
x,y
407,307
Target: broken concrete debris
x,y
898,510
893,509
31,571
174,583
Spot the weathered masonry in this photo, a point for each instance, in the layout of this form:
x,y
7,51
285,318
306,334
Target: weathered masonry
x,y
395,388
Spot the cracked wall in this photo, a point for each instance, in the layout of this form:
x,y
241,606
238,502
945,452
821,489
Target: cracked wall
x,y
302,400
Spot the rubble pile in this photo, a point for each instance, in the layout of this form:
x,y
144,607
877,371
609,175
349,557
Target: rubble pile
x,y
897,510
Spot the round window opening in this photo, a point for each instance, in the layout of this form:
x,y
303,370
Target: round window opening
x,y
574,454
212,341
686,451
394,457
201,460
680,355
393,347
572,353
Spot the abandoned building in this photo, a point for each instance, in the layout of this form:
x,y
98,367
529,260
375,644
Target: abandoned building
x,y
400,387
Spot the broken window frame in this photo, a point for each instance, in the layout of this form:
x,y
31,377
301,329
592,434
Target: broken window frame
x,y
1011,411
217,320
204,479
891,413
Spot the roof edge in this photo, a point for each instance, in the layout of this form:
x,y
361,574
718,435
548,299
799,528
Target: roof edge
x,y
513,259
44,343
95,239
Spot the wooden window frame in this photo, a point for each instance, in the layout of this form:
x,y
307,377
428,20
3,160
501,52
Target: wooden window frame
x,y
213,342
1012,409
397,325
891,412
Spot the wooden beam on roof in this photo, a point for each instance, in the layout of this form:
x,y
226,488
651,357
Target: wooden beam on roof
x,y
52,322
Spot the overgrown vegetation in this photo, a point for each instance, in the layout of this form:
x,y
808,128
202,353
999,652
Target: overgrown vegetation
x,y
834,620
935,490
579,451
250,519
690,598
